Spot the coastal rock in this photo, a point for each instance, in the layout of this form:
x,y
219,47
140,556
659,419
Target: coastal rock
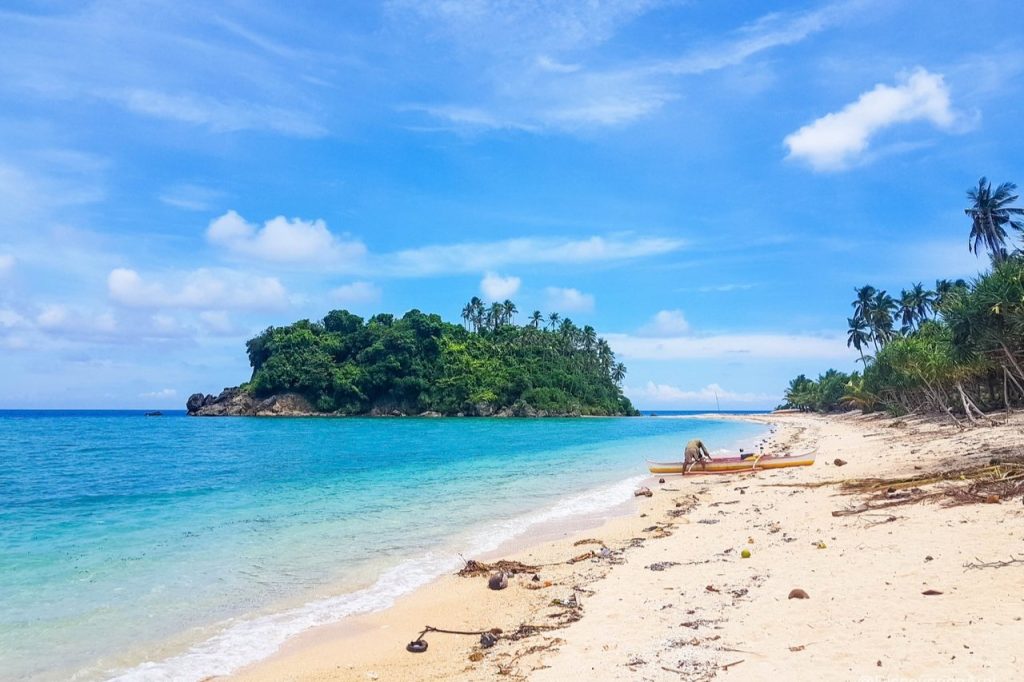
x,y
797,593
497,581
236,402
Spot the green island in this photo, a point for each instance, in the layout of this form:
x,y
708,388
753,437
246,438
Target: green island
x,y
957,350
418,364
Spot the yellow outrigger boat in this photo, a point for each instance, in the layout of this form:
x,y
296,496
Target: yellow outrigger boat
x,y
725,465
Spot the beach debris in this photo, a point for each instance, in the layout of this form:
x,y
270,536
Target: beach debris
x,y
588,541
643,492
797,593
729,665
478,568
709,521
535,578
931,593
839,462
498,581
741,592
571,603
661,565
978,563
417,646
661,480
745,554
798,647
488,639
476,656
711,588
929,558
538,586
820,545
581,557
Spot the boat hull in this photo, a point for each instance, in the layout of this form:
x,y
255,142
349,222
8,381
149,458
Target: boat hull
x,y
733,464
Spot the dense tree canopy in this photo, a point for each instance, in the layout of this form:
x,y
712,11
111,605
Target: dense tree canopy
x,y
420,363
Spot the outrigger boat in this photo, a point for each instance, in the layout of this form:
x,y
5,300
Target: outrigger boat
x,y
724,465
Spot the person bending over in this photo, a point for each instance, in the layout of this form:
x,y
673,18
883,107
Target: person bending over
x,y
696,452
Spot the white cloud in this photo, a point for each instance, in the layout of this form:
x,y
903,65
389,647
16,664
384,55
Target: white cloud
x,y
10,319
530,89
667,396
6,264
282,240
724,288
568,300
838,139
356,293
203,288
489,256
190,197
730,346
494,287
162,393
666,323
52,317
217,322
220,116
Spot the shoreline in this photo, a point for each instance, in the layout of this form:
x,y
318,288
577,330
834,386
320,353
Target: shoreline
x,y
245,641
707,608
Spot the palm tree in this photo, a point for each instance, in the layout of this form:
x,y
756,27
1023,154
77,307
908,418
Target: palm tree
x,y
510,311
858,336
553,319
990,212
589,338
880,318
907,309
618,372
467,314
496,315
862,304
924,301
477,314
536,318
944,290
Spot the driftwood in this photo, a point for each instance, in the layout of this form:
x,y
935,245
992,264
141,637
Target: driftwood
x,y
978,563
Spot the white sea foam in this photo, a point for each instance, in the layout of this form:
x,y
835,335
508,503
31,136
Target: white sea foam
x,y
243,642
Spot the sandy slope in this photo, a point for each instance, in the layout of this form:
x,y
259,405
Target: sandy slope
x,y
866,617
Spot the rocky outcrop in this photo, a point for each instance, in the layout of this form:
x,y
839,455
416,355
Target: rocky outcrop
x,y
235,402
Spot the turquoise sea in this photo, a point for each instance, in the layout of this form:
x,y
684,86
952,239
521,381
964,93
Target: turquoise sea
x,y
174,548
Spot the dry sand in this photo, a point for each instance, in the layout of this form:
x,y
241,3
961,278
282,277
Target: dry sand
x,y
708,613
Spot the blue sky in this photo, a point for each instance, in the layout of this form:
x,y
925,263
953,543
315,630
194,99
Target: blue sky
x,y
703,182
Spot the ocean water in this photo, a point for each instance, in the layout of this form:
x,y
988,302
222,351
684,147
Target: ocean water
x,y
174,548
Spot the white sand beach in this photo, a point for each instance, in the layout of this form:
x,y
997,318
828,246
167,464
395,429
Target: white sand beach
x,y
676,600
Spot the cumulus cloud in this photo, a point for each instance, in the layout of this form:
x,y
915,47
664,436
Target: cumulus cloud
x,y
568,300
6,263
489,256
665,395
730,346
356,293
494,287
666,323
282,240
203,288
836,140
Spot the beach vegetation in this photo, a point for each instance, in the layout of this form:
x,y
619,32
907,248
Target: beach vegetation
x,y
957,349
